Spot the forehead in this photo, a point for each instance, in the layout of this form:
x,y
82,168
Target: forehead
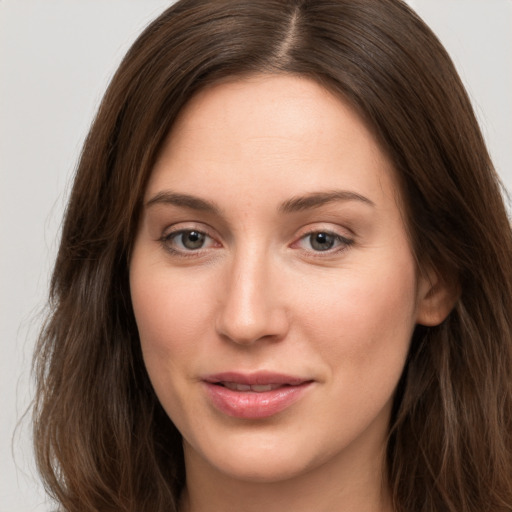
x,y
274,132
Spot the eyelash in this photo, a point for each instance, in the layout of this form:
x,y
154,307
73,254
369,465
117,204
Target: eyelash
x,y
341,243
169,238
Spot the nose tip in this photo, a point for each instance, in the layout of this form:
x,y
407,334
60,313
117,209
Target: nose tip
x,y
252,310
245,326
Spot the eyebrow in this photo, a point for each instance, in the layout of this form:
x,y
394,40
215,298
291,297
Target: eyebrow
x,y
184,200
318,199
295,204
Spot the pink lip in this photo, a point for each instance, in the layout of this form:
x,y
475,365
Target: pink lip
x,y
254,404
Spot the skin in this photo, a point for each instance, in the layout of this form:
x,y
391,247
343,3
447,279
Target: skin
x,y
258,295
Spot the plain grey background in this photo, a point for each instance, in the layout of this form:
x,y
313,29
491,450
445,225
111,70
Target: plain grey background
x,y
56,58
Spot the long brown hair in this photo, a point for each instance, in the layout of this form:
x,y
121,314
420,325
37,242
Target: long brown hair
x,y
102,440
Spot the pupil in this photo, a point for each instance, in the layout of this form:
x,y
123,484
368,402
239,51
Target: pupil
x,y
322,241
192,239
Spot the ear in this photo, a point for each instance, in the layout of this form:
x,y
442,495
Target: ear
x,y
436,298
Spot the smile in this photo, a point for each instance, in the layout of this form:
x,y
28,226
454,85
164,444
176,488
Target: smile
x,y
254,396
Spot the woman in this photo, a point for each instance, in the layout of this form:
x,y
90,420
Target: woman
x,y
284,280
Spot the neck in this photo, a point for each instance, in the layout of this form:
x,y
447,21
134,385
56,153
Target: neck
x,y
330,487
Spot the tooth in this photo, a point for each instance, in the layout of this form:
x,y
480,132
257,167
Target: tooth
x,y
261,388
257,388
236,387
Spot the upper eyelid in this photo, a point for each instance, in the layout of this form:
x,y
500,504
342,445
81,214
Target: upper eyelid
x,y
176,232
192,226
325,227
341,238
343,233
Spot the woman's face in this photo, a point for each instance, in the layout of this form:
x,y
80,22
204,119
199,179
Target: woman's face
x,y
273,284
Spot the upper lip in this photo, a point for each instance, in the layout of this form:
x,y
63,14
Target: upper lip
x,y
259,378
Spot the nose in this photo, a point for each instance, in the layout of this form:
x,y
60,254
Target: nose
x,y
252,307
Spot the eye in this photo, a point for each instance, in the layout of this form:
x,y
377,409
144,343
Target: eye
x,y
187,240
191,239
323,241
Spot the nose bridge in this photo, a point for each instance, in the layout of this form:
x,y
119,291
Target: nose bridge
x,y
251,308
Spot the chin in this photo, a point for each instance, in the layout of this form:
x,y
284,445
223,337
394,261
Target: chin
x,y
258,459
262,469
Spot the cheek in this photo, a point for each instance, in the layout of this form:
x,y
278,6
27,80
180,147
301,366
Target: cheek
x,y
362,333
172,315
364,324
172,320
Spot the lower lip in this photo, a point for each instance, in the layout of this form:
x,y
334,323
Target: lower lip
x,y
253,405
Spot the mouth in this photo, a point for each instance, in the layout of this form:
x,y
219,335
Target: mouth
x,y
256,388
254,396
254,380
